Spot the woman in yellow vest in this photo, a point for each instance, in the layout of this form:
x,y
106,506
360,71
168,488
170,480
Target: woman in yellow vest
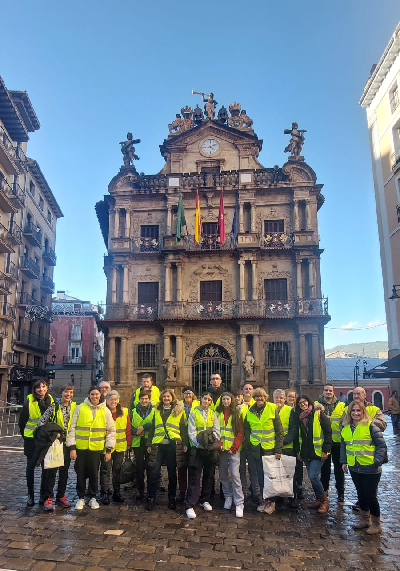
x,y
142,420
231,428
314,443
33,408
91,432
189,403
362,452
166,444
263,436
61,413
123,441
201,420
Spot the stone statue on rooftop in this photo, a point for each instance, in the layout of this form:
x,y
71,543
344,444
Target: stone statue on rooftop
x,y
296,141
128,150
210,103
170,364
248,365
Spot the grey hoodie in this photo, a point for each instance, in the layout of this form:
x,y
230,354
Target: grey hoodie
x,y
110,426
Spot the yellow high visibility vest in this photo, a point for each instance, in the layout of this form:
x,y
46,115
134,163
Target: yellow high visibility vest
x,y
284,415
171,424
245,407
120,430
155,395
227,435
214,406
91,432
60,418
195,403
262,429
137,421
335,421
34,415
359,444
318,436
200,423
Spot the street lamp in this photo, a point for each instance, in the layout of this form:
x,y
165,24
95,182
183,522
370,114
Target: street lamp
x,y
356,372
394,292
51,374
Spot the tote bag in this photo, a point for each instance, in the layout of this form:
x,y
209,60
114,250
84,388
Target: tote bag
x,y
278,476
55,455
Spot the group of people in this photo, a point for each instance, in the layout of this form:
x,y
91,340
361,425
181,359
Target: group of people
x,y
192,436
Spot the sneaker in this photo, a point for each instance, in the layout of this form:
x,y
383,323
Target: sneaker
x,y
269,507
206,507
105,498
356,506
94,504
31,500
190,513
228,503
116,497
149,504
239,511
172,504
48,505
63,502
80,504
260,508
341,499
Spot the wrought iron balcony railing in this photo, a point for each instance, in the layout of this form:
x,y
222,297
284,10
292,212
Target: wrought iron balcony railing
x,y
7,311
147,245
5,139
15,233
5,243
12,271
18,194
28,338
47,284
29,266
33,234
69,360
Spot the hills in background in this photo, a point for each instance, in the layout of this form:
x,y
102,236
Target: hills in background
x,y
370,350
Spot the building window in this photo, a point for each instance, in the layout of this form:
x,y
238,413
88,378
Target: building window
x,y
275,290
16,357
76,333
278,354
36,361
394,98
147,356
31,189
77,306
147,292
48,216
74,352
210,291
149,232
272,226
41,203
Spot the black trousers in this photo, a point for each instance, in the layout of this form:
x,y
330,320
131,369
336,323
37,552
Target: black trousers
x,y
117,459
166,454
142,465
202,463
50,477
31,459
334,457
298,473
367,491
105,474
87,466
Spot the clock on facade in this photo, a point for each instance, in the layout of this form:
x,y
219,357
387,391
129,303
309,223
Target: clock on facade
x,y
210,146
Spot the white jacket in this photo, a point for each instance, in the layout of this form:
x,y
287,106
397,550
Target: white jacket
x,y
110,426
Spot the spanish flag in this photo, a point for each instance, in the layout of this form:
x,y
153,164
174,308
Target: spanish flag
x,y
197,224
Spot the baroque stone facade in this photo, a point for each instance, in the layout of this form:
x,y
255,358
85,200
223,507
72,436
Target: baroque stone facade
x,y
208,302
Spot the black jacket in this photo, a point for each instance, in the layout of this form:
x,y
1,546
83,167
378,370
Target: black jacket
x,y
216,393
24,414
44,437
307,451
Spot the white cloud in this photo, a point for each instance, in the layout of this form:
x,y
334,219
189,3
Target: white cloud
x,y
350,326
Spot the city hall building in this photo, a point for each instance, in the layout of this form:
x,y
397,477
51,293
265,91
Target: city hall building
x,y
213,263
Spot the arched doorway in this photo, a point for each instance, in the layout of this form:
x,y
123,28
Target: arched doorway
x,y
207,360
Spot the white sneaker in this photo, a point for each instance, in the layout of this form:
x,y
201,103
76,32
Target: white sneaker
x,y
269,507
94,504
228,503
206,507
80,504
260,508
239,511
191,514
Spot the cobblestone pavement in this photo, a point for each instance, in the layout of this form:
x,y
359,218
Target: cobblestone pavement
x,y
66,540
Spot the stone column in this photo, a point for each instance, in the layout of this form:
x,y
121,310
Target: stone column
x,y
254,293
241,280
316,359
111,232
167,346
296,215
167,281
169,220
308,215
299,279
116,223
128,223
303,358
243,348
124,360
240,216
253,217
126,284
257,355
179,282
111,359
311,277
179,357
113,284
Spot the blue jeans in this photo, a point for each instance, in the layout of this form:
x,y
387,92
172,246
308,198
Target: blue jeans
x,y
314,473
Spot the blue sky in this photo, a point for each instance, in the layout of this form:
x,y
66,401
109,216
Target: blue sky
x,y
96,69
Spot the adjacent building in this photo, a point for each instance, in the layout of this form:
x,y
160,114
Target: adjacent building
x,y
76,344
381,100
242,295
28,217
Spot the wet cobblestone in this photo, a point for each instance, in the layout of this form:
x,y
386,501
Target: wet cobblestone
x,y
66,540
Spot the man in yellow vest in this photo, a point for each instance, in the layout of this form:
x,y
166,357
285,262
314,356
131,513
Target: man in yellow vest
x,y
290,430
216,388
146,385
333,409
248,401
378,418
60,412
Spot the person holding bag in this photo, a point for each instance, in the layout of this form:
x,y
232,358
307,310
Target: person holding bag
x,y
123,437
263,436
231,427
61,413
91,432
203,427
142,419
314,444
362,452
166,443
189,403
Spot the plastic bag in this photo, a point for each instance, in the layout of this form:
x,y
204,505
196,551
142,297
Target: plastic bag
x,y
55,455
128,469
278,476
